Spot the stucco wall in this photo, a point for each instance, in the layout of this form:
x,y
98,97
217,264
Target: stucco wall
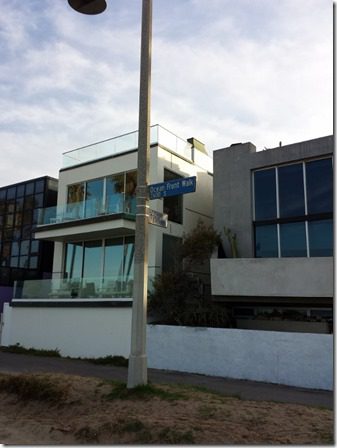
x,y
273,277
85,332
295,359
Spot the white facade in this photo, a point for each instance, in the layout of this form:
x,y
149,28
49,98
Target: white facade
x,y
90,294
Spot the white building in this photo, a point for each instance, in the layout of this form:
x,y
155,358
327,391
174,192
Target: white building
x,y
85,310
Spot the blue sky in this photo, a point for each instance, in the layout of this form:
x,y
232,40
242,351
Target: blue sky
x,y
223,71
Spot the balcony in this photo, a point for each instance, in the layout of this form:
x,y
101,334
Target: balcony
x,y
75,289
125,143
63,222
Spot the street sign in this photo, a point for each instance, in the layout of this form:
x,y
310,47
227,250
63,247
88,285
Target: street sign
x,y
158,219
173,187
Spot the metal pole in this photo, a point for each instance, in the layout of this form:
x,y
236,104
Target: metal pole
x,y
137,371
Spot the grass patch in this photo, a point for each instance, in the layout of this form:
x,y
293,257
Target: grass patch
x,y
118,361
30,387
17,348
143,392
174,436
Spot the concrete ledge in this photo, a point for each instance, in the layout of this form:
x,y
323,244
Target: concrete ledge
x,y
273,277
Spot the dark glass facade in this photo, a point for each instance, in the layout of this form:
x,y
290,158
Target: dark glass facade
x,y
21,256
293,206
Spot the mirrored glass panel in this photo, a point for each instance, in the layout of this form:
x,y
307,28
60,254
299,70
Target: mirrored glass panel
x,y
94,198
92,259
73,260
320,238
291,190
115,193
265,194
129,252
319,179
266,241
293,240
113,261
130,192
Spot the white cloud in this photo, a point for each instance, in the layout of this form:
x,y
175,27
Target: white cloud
x,y
224,71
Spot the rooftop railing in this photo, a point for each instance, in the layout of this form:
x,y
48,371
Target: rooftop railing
x,y
76,288
124,143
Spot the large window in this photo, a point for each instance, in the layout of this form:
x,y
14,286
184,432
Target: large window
x,y
100,260
112,194
293,210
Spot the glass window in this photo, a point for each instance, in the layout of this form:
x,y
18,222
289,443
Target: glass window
x,y
20,191
115,193
113,259
30,188
6,253
39,186
9,220
33,262
14,262
16,233
23,262
291,190
75,193
18,218
38,200
29,202
27,217
26,231
8,234
130,192
129,252
293,240
34,247
19,204
15,248
10,206
92,259
319,186
173,205
320,238
266,244
94,197
73,260
265,194
11,193
24,247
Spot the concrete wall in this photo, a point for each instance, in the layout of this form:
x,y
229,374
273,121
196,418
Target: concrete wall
x,y
295,359
273,277
84,332
233,183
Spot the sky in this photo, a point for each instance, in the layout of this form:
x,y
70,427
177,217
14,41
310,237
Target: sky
x,y
223,71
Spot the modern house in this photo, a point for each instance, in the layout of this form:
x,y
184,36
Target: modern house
x,y
85,309
21,256
274,209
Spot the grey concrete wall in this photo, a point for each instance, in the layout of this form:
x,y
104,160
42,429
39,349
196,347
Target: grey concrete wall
x,y
273,277
233,183
294,359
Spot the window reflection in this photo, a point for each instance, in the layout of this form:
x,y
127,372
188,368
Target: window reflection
x,y
130,192
320,238
266,241
94,197
265,194
319,186
291,190
293,240
115,193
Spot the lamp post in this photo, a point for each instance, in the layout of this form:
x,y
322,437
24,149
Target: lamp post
x,y
137,371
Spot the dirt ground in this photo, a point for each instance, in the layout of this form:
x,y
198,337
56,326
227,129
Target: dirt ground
x,y
171,415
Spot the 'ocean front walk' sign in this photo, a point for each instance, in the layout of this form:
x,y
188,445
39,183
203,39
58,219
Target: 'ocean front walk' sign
x,y
173,187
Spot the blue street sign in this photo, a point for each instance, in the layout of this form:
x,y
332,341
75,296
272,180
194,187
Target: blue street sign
x,y
173,187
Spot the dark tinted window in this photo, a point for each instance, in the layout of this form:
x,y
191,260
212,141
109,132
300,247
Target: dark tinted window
x,y
291,190
30,188
266,241
171,253
320,238
11,193
319,186
173,205
293,240
265,194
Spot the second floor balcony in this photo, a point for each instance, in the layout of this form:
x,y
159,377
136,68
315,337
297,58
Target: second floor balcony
x,y
114,216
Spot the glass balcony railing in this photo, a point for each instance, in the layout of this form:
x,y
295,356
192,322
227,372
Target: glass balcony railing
x,y
87,209
77,288
124,143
